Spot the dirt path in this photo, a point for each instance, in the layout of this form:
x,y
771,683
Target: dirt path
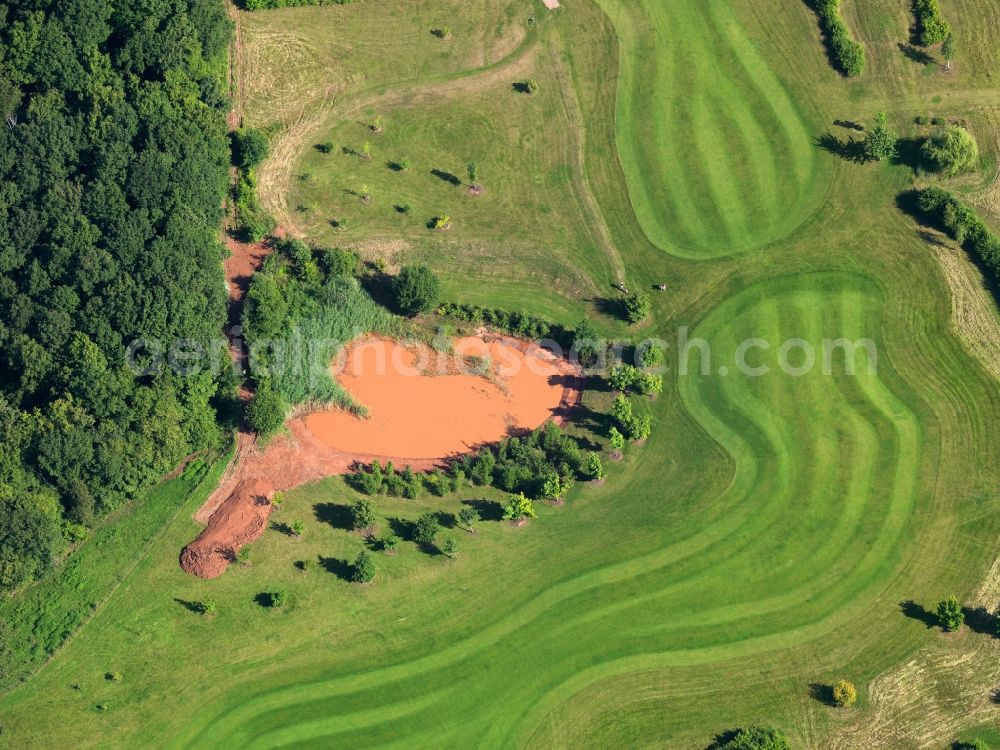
x,y
237,512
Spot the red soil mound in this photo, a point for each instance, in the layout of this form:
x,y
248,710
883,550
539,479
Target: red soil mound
x,y
420,420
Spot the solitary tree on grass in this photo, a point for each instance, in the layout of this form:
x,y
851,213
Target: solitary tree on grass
x,y
277,499
637,306
362,514
468,517
948,50
950,613
243,555
426,529
364,568
757,738
880,141
450,547
277,599
390,543
844,693
473,169
366,150
297,528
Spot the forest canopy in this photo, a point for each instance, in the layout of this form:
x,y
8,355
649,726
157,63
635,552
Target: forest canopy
x,y
113,170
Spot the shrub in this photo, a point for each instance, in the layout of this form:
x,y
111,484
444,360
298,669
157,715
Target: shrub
x,y
426,529
450,547
277,599
209,607
757,738
951,151
390,543
416,290
931,27
467,517
950,614
362,514
243,555
518,508
637,307
844,693
622,377
266,411
298,528
880,141
594,467
616,438
364,568
848,54
249,148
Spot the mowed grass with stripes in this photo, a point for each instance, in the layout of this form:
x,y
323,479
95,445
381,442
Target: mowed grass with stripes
x,y
779,531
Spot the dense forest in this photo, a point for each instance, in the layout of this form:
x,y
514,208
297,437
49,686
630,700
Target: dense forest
x,y
113,170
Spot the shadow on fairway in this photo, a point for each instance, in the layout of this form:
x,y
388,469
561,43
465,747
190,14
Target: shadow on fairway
x,y
338,516
916,612
822,693
340,568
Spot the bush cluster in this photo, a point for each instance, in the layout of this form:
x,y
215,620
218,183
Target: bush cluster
x,y
541,464
962,225
848,54
931,27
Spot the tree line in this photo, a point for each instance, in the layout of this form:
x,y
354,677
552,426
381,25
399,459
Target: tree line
x,y
113,169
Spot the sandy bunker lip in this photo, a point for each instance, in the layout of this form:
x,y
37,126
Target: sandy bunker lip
x,y
414,418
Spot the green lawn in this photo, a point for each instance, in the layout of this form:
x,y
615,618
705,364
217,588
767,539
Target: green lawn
x,y
765,536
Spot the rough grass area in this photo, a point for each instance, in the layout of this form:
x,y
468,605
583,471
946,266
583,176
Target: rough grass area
x,y
774,534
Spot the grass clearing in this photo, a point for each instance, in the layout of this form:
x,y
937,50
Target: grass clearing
x,y
765,536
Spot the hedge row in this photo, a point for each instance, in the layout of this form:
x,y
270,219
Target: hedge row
x,y
963,225
512,322
848,54
931,27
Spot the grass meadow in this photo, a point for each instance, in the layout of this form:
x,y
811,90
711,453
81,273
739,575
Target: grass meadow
x,y
774,534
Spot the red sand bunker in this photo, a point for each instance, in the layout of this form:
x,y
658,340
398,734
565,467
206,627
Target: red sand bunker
x,y
423,408
411,415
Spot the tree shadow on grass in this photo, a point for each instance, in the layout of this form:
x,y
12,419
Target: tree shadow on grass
x,y
613,307
281,528
980,620
915,54
722,739
916,612
851,149
264,599
338,516
340,568
447,177
489,510
822,693
908,152
402,528
194,607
